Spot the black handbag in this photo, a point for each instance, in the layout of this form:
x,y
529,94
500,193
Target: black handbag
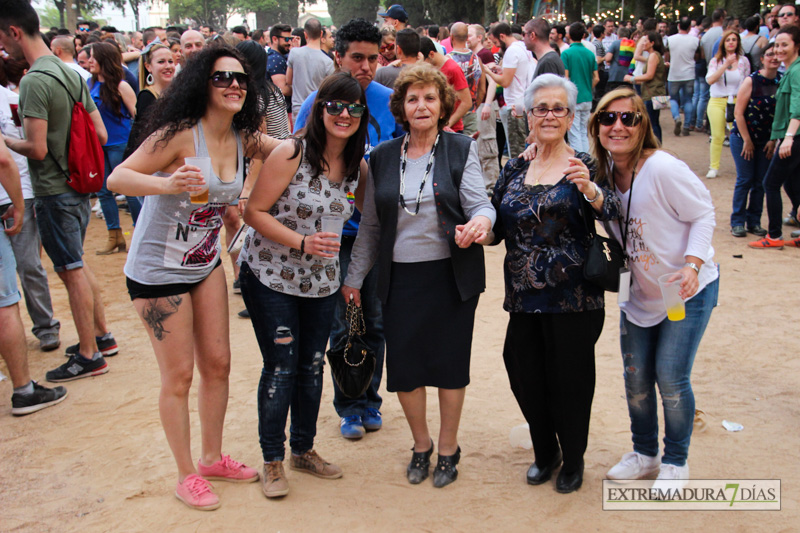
x,y
604,256
729,109
352,362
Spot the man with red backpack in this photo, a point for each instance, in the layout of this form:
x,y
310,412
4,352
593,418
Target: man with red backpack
x,y
46,111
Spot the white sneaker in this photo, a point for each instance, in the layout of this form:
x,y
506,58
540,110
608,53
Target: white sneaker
x,y
634,466
671,478
712,173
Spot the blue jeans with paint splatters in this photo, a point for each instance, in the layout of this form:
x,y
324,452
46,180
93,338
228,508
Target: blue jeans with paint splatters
x,y
663,354
292,332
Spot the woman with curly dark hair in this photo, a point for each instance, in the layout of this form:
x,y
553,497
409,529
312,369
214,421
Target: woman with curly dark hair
x,y
290,270
172,271
116,102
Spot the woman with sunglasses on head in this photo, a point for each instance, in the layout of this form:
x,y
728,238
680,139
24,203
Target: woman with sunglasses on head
x,y
555,315
116,102
751,146
290,270
425,206
174,269
726,72
665,227
156,72
783,168
387,50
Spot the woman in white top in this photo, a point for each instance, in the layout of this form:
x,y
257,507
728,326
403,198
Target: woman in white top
x,y
726,72
666,224
173,271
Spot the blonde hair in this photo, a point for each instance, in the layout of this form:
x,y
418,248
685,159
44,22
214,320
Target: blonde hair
x,y
146,58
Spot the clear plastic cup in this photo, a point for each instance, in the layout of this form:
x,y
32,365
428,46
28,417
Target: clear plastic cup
x,y
333,224
204,164
670,287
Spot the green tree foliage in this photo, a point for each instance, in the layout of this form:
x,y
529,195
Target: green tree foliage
x,y
416,11
446,11
743,8
213,12
343,10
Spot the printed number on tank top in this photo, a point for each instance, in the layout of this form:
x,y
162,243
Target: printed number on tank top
x,y
206,217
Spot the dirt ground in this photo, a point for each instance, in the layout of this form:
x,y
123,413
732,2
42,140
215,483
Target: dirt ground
x,y
100,461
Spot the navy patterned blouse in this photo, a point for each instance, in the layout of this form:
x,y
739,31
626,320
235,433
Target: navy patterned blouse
x,y
546,241
761,108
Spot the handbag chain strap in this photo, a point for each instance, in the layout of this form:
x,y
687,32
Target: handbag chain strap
x,y
355,320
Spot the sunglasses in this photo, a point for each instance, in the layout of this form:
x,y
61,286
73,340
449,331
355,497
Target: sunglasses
x,y
336,108
781,15
628,118
286,39
558,112
385,47
222,79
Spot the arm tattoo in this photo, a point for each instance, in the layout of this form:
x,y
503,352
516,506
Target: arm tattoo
x,y
157,310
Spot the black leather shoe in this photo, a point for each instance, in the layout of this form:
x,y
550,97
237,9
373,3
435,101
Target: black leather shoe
x,y
446,471
757,230
537,476
567,482
738,231
419,467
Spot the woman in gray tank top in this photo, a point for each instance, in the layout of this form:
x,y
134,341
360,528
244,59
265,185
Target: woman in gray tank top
x,y
171,271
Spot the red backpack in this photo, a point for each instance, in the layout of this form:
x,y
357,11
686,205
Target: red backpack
x,y
85,157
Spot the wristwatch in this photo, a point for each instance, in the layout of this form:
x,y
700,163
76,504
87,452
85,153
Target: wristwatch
x,y
693,266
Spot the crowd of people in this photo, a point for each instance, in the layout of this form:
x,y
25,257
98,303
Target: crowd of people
x,y
400,134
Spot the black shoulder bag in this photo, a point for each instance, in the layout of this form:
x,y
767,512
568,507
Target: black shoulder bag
x,y
352,362
604,256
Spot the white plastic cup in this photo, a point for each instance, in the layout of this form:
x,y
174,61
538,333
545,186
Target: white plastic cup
x,y
204,164
676,308
520,437
333,224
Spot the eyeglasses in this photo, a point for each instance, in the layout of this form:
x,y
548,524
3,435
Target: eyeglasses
x,y
222,79
558,112
336,108
385,47
628,118
786,14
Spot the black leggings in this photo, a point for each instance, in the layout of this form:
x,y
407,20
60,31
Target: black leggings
x,y
550,363
781,172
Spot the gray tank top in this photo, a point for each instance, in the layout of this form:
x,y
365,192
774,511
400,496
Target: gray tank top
x,y
176,241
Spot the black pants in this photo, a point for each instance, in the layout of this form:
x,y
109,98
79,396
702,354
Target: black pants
x,y
550,363
781,172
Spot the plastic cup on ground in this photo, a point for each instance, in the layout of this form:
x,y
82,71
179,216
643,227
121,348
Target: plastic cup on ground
x,y
204,164
333,224
676,309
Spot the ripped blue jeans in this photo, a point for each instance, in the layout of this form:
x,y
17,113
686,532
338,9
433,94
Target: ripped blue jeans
x,y
292,332
663,354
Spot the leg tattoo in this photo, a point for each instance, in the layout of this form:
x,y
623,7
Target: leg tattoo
x,y
157,310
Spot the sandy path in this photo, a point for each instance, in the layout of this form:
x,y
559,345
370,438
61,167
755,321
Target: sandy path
x,y
100,462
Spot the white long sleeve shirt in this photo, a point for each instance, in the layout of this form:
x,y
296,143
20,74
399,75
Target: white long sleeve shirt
x,y
671,216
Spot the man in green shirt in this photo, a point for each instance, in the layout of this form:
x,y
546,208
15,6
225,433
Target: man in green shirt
x,y
580,68
62,214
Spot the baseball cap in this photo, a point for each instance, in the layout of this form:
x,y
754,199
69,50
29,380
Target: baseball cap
x,y
396,12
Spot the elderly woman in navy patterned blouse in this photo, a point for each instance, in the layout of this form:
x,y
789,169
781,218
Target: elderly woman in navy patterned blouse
x,y
556,316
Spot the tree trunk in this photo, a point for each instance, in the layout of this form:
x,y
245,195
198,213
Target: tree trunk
x,y
743,8
344,10
73,15
489,12
573,9
644,8
524,10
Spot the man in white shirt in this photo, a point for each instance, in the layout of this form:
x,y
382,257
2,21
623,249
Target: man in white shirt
x,y
681,75
64,48
514,77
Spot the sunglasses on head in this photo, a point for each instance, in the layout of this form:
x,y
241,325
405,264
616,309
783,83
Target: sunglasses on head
x,y
336,108
628,118
223,79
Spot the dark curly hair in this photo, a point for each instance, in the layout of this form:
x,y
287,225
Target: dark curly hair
x,y
184,102
338,86
356,30
421,74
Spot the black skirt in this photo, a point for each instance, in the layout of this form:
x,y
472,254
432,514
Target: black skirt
x,y
428,328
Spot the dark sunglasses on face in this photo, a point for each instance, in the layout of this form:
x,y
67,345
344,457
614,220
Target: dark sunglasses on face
x,y
286,39
223,79
787,14
628,118
336,108
385,47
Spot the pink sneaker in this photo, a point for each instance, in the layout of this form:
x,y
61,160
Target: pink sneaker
x,y
226,469
196,493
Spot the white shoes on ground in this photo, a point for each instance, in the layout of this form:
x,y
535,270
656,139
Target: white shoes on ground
x,y
712,173
671,478
634,466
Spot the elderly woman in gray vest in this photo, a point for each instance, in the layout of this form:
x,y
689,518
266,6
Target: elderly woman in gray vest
x,y
424,209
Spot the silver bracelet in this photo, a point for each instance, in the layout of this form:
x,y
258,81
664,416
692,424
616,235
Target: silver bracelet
x,y
596,194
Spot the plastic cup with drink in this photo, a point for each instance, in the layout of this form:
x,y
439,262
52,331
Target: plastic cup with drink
x,y
670,290
333,224
204,164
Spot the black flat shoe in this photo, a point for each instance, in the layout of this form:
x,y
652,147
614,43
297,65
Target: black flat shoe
x,y
567,482
757,230
537,476
446,471
419,467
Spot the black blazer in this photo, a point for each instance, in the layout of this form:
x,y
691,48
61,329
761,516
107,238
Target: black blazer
x,y
451,158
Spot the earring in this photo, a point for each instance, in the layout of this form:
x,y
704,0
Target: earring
x,y
149,79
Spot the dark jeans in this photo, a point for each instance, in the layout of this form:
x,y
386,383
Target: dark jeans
x,y
373,321
549,358
292,332
654,117
780,171
749,184
108,203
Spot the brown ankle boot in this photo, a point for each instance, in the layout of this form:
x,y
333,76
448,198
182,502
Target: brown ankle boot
x,y
116,243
